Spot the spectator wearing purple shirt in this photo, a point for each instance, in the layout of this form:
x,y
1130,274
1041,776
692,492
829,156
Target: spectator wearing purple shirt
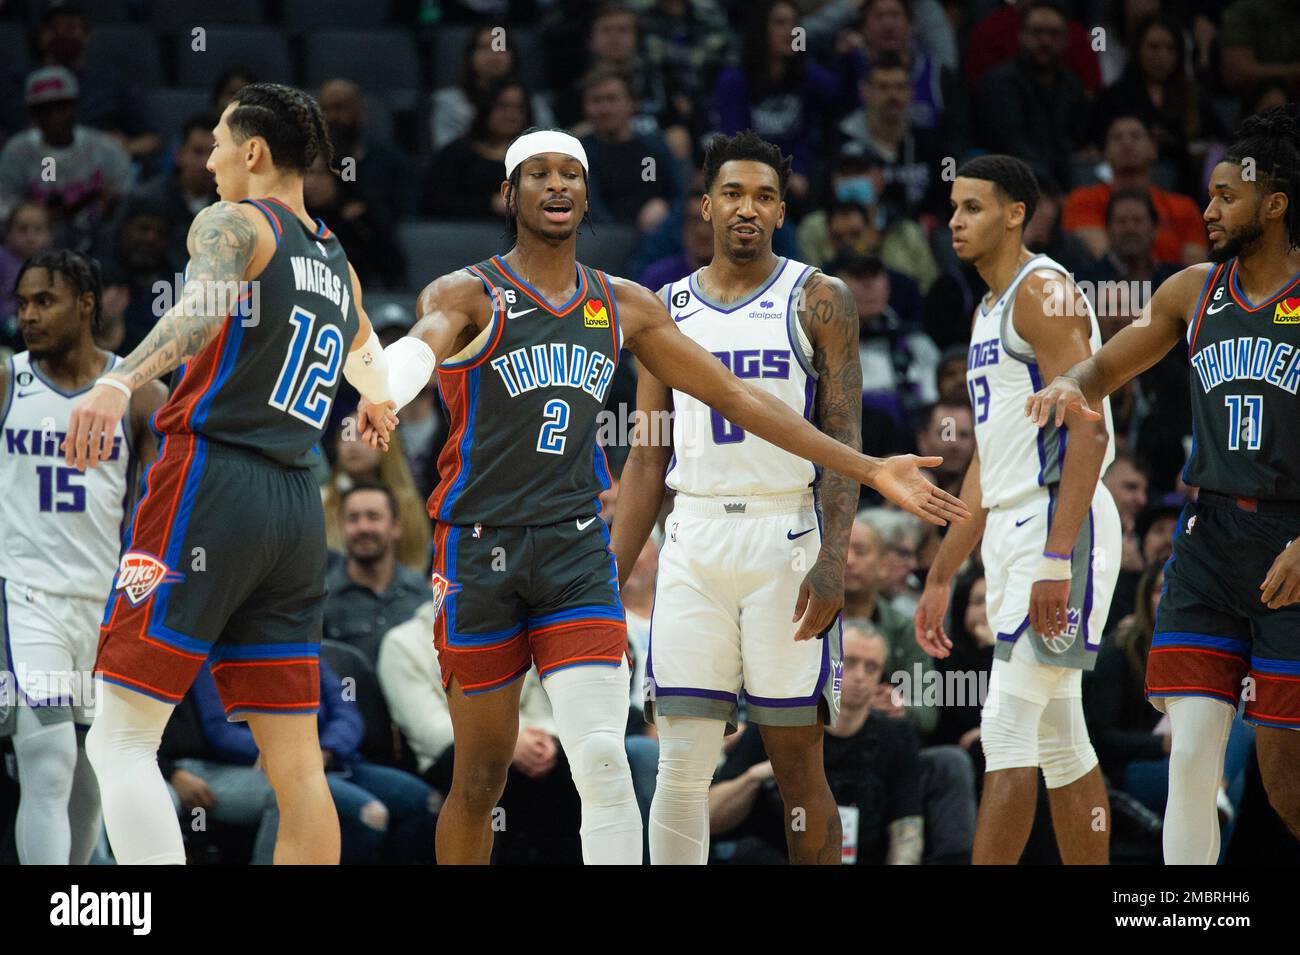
x,y
778,92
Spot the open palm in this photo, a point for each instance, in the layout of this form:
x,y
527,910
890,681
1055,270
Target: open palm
x,y
900,480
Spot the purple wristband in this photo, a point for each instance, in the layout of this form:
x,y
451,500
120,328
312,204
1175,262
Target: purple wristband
x,y
1048,553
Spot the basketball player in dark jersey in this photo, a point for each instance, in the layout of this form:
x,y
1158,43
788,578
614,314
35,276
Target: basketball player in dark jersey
x,y
225,558
1228,626
527,344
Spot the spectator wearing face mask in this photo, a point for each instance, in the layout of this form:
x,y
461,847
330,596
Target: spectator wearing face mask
x,y
863,225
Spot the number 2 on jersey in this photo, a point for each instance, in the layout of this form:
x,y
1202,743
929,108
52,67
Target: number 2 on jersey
x,y
551,439
308,403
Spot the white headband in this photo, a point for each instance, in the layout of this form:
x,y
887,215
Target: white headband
x,y
544,141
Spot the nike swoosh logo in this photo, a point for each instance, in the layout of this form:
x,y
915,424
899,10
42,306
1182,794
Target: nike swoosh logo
x,y
1211,311
1025,521
25,394
513,314
583,525
793,536
682,318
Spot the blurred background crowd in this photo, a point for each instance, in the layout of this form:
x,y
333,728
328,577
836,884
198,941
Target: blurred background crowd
x,y
1120,106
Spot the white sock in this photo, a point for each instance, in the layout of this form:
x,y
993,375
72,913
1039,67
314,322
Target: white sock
x,y
123,748
84,815
47,759
590,707
1200,729
689,748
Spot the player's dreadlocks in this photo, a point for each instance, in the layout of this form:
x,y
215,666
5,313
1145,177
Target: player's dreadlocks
x,y
81,272
1271,141
747,145
288,119
1012,178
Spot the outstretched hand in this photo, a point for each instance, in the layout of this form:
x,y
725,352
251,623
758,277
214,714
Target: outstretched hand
x,y
376,422
1066,395
900,480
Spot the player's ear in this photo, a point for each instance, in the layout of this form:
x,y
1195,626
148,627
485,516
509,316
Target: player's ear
x,y
1016,214
86,306
704,208
780,215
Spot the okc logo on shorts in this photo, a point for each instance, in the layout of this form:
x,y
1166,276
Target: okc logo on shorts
x,y
1063,641
140,574
441,588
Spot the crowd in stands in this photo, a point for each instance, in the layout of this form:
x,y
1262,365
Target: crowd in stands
x,y
1121,107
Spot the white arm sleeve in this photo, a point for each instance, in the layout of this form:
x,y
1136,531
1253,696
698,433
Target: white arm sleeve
x,y
411,364
366,369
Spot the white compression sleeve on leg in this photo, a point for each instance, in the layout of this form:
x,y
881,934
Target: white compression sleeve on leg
x,y
123,748
1200,728
47,760
411,364
689,748
366,369
590,708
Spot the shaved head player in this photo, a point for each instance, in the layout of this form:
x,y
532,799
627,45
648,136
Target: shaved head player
x,y
526,345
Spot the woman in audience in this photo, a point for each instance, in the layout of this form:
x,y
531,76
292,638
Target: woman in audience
x,y
488,58
354,461
464,181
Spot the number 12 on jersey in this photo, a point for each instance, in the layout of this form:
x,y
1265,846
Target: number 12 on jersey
x,y
306,402
1245,420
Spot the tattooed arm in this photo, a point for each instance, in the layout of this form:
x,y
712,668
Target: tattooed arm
x,y
830,316
222,243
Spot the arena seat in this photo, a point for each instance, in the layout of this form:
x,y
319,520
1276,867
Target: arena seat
x,y
173,15
435,248
264,50
166,109
375,59
608,248
128,53
305,16
449,52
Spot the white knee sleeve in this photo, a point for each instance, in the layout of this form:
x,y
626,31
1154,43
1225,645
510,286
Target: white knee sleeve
x,y
679,815
1009,731
1064,750
1200,729
590,706
47,760
123,748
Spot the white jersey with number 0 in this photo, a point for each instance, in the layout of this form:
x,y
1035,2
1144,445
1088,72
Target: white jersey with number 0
x,y
1016,457
762,342
60,529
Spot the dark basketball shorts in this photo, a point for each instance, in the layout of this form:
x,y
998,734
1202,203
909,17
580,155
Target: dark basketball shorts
x,y
224,561
1214,637
510,597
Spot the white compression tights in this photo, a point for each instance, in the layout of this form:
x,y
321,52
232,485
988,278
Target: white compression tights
x,y
123,747
58,810
1200,729
590,708
679,815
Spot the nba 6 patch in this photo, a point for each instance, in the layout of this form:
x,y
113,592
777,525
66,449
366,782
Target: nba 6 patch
x,y
595,316
441,588
140,574
1287,312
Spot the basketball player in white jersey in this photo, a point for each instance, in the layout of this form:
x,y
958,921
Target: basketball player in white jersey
x,y
745,545
1051,543
61,532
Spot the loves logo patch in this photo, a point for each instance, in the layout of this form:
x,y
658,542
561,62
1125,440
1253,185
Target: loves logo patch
x,y
594,314
1287,312
140,574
